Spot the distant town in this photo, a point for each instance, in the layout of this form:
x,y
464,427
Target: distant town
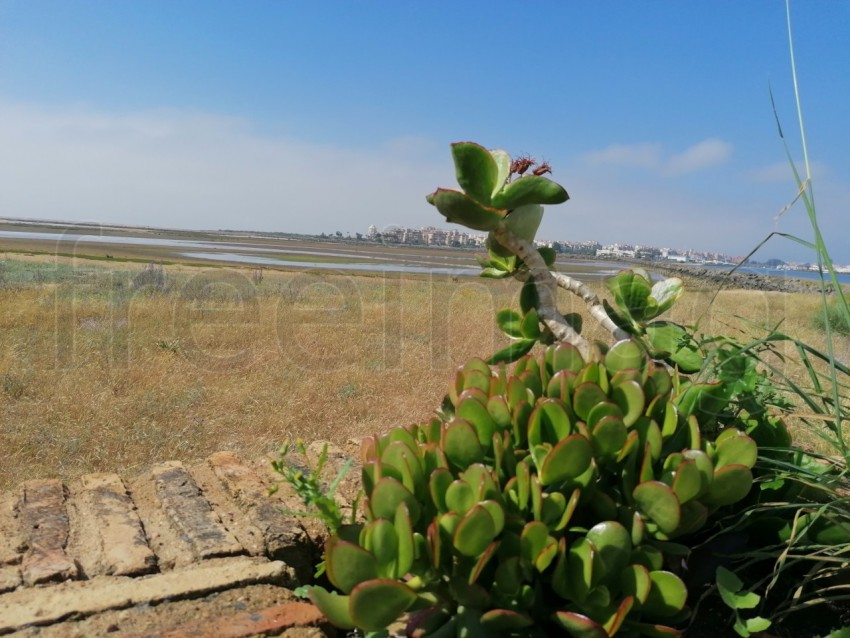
x,y
431,236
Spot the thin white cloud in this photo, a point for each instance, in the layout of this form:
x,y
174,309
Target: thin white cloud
x,y
647,156
705,154
191,169
651,157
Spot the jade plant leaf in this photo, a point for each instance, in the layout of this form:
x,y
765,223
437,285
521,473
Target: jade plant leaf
x,y
731,483
406,540
569,459
675,345
461,209
476,170
624,355
529,190
609,436
667,596
475,413
613,545
348,564
513,352
562,356
387,495
636,582
460,497
380,538
735,448
475,531
333,606
503,168
375,604
504,621
630,398
509,322
579,625
659,503
461,444
586,396
524,221
665,293
631,293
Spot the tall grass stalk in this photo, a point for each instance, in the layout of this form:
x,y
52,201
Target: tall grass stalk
x,y
805,193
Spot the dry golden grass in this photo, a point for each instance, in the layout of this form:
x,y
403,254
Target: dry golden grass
x,y
95,376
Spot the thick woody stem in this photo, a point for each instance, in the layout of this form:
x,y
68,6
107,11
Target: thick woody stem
x,y
594,306
546,288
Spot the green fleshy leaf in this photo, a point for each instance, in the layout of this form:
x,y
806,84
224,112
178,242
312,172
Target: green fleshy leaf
x,y
476,414
380,538
730,586
530,326
624,355
476,170
513,352
548,254
461,209
613,545
503,168
636,582
386,497
494,273
563,356
375,604
509,322
497,621
461,445
735,450
528,297
348,564
672,343
665,293
659,503
630,398
579,625
586,396
475,531
609,436
333,606
569,459
406,541
731,483
460,497
524,221
530,189
631,293
667,596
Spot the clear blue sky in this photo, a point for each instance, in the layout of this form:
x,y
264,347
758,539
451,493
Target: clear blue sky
x,y
322,116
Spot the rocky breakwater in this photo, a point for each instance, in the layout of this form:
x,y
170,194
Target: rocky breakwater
x,y
741,280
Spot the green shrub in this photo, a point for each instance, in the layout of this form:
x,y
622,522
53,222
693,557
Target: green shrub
x,y
833,313
548,498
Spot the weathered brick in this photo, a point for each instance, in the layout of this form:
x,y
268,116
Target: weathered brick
x,y
190,513
44,523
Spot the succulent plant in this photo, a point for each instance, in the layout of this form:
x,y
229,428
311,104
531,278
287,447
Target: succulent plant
x,y
545,500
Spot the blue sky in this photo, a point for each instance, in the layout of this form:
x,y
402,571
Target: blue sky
x,y
323,116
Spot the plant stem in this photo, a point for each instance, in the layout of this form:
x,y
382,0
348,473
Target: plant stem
x,y
546,288
594,306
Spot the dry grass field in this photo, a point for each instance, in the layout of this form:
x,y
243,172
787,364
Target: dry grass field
x,y
119,367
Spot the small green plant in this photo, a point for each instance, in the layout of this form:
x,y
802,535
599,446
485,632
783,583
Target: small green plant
x,y
731,591
169,345
13,385
548,499
317,496
833,314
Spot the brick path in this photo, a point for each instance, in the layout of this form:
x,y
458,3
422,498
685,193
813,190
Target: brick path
x,y
106,555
